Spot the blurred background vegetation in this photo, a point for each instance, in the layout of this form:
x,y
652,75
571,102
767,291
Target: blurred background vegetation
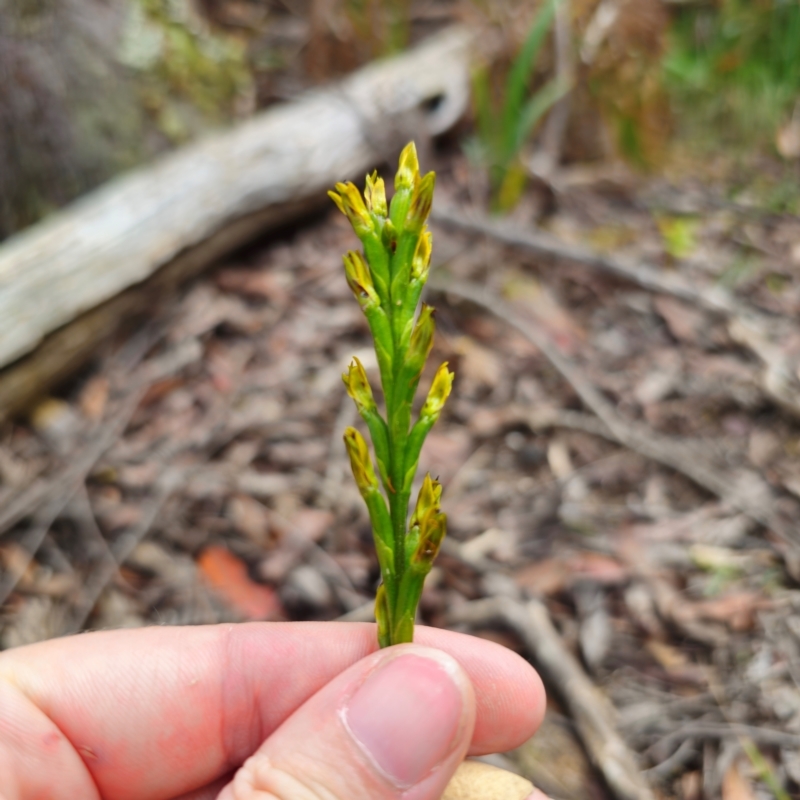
x,y
92,87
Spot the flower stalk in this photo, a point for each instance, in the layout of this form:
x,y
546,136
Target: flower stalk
x,y
387,280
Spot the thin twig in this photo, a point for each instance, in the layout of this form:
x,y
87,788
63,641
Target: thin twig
x,y
683,753
724,730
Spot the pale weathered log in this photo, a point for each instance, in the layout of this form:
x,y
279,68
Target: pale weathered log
x,y
180,214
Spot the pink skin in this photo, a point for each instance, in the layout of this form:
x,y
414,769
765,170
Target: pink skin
x,y
168,712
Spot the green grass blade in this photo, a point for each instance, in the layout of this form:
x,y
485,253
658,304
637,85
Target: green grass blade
x,y
536,107
520,75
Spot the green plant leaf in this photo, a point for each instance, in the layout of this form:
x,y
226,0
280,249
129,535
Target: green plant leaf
x,y
536,107
520,75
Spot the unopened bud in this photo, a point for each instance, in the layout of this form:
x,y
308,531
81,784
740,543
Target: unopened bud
x,y
419,347
360,461
389,236
349,201
421,261
432,530
429,497
407,168
357,385
421,202
375,195
359,278
438,393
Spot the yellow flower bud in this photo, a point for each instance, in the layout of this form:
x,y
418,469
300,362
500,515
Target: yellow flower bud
x,y
389,236
432,530
428,499
349,201
357,385
359,278
360,461
421,202
419,347
421,261
375,195
438,393
407,168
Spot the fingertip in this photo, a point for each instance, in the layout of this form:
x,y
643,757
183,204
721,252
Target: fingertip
x,y
414,707
510,696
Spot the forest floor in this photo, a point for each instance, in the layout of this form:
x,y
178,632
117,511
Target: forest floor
x,y
622,443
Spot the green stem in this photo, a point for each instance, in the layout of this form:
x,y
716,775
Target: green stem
x,y
387,282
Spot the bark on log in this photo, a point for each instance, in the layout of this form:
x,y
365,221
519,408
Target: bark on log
x,y
66,278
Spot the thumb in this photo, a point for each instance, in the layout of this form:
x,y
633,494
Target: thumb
x,y
396,724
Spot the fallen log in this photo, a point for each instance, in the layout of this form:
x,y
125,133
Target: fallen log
x,y
68,282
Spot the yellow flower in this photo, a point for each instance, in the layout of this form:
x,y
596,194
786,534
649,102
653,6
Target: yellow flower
x,y
428,499
360,461
432,530
421,261
421,202
349,201
375,195
439,392
407,168
419,347
357,385
359,279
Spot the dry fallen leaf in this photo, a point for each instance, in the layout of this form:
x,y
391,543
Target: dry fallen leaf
x,y
532,297
737,610
787,140
477,364
676,664
735,786
546,577
444,452
692,785
552,575
249,517
227,576
685,323
311,523
559,460
263,284
93,397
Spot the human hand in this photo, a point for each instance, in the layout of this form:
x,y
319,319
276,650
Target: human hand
x,y
267,711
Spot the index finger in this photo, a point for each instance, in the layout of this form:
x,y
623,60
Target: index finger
x,y
157,712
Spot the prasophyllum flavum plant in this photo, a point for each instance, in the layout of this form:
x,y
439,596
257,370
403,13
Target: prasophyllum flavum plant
x,y
387,281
